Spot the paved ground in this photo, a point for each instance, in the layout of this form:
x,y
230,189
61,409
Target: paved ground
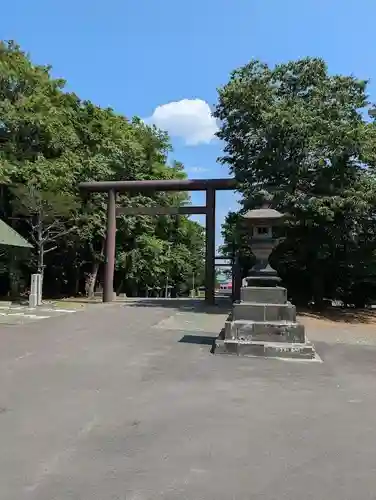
x,y
124,402
14,314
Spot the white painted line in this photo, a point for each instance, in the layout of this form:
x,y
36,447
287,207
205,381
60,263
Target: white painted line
x,y
17,308
50,309
43,309
23,315
35,316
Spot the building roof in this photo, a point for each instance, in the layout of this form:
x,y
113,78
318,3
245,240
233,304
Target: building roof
x,y
10,237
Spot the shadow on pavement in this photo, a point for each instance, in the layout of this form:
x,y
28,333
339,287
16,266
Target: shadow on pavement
x,y
222,306
197,339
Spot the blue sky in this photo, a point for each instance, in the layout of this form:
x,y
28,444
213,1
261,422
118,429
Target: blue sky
x,y
139,55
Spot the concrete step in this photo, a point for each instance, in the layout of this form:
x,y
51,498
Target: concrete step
x,y
271,331
264,295
266,349
255,311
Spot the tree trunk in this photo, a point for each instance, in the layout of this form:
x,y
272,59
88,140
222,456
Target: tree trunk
x,y
76,281
91,279
40,260
120,287
318,290
40,244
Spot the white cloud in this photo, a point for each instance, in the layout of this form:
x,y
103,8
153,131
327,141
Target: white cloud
x,y
190,119
197,170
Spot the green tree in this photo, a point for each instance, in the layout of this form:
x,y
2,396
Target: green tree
x,y
298,133
34,124
49,215
50,140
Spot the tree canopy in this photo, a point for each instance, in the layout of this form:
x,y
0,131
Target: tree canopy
x,y
50,141
303,136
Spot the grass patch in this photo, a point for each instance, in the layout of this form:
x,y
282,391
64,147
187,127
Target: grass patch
x,y
65,304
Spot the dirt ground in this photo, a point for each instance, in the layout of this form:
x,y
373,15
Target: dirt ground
x,y
335,326
331,317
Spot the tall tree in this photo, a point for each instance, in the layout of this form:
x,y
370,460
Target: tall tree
x,y
299,133
51,140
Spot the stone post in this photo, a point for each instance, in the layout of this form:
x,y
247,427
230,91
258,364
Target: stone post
x,y
35,297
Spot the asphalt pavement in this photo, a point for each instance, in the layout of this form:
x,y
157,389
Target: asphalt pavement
x,y
126,402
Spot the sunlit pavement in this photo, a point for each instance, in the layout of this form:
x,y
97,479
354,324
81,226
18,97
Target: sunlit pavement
x,y
12,314
125,401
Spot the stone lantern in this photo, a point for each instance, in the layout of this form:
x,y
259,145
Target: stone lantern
x,y
260,223
263,323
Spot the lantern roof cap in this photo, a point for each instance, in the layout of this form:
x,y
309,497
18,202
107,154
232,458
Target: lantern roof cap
x,y
264,213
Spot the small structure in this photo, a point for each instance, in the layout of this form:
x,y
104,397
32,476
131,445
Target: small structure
x,y
10,238
263,322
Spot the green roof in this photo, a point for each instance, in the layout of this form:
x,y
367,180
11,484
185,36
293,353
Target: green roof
x,y
10,237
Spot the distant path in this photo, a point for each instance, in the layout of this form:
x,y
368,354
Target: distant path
x,y
124,401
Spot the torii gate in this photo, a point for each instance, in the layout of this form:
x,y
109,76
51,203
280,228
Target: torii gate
x,y
210,186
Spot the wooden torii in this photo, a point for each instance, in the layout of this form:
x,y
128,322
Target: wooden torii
x,y
210,186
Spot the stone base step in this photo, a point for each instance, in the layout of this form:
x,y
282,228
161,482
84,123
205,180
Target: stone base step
x,y
264,295
265,349
270,331
258,311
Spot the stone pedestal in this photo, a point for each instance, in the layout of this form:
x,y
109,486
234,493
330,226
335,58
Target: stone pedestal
x,y
264,324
